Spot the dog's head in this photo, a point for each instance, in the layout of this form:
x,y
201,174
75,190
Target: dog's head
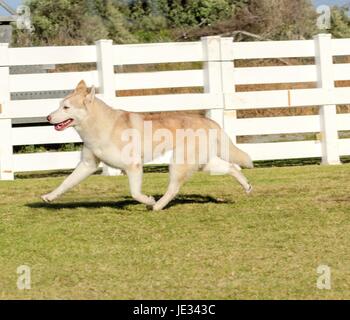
x,y
74,108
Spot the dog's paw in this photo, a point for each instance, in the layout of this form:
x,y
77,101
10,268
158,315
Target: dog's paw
x,y
152,207
150,201
48,197
249,190
156,208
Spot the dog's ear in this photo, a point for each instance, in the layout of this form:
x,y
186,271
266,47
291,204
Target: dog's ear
x,y
90,98
81,88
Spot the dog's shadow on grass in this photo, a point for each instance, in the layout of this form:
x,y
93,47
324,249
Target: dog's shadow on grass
x,y
125,202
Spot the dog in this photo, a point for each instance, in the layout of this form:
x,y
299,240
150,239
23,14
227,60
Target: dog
x,y
104,132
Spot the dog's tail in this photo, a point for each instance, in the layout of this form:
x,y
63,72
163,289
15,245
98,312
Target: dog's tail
x,y
227,150
233,154
240,157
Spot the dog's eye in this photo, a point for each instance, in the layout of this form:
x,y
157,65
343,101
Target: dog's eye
x,y
65,108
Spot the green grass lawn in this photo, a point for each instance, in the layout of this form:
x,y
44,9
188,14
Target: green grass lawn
x,y
97,243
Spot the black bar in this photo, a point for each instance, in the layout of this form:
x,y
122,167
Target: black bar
x,y
181,309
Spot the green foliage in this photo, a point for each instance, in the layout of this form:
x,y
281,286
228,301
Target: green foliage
x,y
48,148
31,149
59,18
156,19
129,21
75,22
198,12
340,23
113,20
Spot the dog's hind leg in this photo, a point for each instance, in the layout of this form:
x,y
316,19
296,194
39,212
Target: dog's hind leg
x,y
135,173
218,166
178,175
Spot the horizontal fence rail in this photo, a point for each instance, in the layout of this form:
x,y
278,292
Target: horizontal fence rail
x,y
209,67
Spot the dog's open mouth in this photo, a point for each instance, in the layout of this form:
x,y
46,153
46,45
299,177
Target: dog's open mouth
x,y
63,125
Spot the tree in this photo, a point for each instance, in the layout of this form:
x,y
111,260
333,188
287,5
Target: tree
x,y
126,21
203,12
270,19
67,22
113,19
340,22
157,19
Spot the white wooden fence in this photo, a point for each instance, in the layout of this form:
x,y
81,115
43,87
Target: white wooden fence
x,y
218,77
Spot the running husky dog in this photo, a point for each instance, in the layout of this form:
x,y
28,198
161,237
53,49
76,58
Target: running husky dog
x,y
104,130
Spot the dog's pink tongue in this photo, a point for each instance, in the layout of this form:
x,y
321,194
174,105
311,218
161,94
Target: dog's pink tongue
x,y
58,127
63,125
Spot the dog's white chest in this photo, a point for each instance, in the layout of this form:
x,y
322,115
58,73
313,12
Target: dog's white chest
x,y
106,151
98,152
110,155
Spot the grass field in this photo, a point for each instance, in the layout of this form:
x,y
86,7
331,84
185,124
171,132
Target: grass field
x,y
96,242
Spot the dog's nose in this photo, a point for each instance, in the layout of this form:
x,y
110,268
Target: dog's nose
x,y
48,118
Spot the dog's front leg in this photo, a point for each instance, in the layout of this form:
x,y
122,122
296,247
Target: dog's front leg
x,y
87,166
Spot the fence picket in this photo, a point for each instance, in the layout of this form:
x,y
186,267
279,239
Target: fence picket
x,y
328,113
6,149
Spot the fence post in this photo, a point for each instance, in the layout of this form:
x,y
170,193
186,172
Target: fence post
x,y
213,74
6,149
228,84
219,79
105,68
328,113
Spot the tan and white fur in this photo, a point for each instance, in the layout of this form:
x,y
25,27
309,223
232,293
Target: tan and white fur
x,y
100,128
